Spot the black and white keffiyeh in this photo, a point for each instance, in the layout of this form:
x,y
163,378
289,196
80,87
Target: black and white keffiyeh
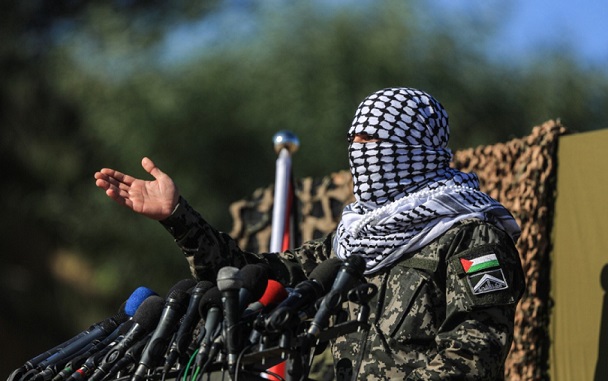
x,y
406,193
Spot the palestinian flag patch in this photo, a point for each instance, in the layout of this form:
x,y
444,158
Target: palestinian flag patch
x,y
471,266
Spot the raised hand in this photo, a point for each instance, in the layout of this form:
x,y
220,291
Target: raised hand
x,y
155,199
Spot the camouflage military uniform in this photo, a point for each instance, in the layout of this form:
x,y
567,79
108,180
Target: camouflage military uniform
x,y
445,312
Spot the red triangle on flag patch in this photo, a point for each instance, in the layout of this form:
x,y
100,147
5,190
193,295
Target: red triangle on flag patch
x,y
466,264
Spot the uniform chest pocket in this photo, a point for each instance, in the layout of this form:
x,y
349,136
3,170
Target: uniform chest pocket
x,y
408,313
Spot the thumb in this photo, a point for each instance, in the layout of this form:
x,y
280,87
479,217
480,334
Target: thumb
x,y
151,168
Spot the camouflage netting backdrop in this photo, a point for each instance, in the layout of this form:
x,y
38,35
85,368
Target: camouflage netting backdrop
x,y
521,174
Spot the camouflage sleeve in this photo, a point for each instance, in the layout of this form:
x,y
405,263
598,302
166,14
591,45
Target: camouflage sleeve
x,y
484,282
207,249
313,252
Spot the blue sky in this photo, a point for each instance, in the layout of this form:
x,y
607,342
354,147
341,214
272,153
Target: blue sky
x,y
524,27
532,25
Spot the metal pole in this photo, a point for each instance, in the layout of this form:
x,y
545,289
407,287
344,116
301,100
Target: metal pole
x,y
285,144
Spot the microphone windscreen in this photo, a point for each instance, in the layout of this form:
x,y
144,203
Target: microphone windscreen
x,y
202,287
325,273
148,314
184,285
255,279
137,297
275,293
179,296
211,298
110,324
357,263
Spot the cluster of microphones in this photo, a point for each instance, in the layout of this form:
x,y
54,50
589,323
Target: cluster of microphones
x,y
242,324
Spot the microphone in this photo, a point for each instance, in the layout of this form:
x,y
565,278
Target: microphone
x,y
192,316
136,299
84,363
229,282
48,368
174,309
131,356
297,307
19,373
25,371
349,274
211,308
255,280
274,294
145,319
183,337
35,365
65,350
308,291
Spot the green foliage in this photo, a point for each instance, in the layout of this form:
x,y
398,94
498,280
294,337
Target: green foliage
x,y
89,85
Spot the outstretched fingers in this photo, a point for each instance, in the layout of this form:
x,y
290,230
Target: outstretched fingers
x,y
115,184
115,177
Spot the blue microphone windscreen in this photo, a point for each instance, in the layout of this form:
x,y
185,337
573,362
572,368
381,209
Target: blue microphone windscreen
x,y
137,297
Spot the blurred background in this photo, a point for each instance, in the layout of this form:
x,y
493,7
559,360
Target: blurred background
x,y
202,86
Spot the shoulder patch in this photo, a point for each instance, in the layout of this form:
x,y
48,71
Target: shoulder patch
x,y
487,281
477,264
484,273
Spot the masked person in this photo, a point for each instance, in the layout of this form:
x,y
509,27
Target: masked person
x,y
441,252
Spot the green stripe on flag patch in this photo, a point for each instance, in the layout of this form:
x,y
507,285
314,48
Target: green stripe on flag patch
x,y
480,263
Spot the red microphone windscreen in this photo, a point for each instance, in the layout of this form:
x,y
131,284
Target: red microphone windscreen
x,y
274,294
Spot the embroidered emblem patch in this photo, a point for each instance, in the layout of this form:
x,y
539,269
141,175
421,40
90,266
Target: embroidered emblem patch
x,y
487,281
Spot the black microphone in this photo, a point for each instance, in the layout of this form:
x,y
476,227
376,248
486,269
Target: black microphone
x,y
175,307
48,368
67,349
229,282
274,294
308,291
82,360
192,316
24,372
35,365
210,308
131,356
88,366
183,337
83,363
145,319
255,280
349,274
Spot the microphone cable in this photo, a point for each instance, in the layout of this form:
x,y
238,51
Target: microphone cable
x,y
183,372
